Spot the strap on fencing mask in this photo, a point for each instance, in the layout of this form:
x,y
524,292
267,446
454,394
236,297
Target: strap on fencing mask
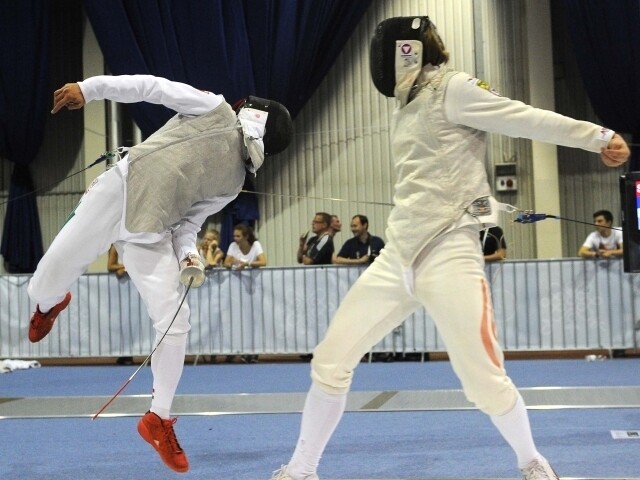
x,y
396,54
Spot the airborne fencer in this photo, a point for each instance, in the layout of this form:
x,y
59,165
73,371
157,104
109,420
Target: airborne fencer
x,y
151,205
438,142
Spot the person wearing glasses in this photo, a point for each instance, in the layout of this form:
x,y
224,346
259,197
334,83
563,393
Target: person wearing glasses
x,y
318,248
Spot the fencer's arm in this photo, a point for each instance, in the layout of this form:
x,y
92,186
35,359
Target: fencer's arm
x,y
468,104
69,96
616,152
177,96
184,233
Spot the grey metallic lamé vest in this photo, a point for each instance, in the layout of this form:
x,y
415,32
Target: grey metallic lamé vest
x,y
188,160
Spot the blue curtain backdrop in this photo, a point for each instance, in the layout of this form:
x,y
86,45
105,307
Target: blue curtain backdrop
x,y
606,41
24,100
278,49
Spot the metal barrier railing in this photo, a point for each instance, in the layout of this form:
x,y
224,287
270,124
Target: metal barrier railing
x,y
539,305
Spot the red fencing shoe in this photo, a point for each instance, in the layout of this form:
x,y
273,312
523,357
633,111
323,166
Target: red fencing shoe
x,y
41,323
160,435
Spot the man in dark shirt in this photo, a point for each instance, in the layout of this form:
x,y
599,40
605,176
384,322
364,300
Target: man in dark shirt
x,y
335,226
494,245
318,250
363,248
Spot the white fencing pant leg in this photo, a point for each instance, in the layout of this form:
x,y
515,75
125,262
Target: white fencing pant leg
x,y
377,303
154,270
88,233
450,269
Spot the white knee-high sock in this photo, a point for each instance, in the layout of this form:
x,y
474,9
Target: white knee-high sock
x,y
515,428
167,364
320,417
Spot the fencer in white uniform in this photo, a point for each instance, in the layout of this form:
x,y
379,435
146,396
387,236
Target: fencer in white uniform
x,y
151,205
443,197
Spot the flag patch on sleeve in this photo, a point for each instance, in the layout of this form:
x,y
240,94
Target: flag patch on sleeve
x,y
476,82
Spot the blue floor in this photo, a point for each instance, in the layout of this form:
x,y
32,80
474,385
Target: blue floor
x,y
378,445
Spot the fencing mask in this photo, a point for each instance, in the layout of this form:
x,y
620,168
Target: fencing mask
x,y
267,128
396,52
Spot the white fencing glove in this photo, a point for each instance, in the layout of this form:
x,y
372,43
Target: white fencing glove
x,y
192,266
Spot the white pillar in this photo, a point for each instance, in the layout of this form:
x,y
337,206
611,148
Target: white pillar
x,y
546,185
94,120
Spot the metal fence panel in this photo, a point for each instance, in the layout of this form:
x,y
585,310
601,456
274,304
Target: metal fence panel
x,y
539,305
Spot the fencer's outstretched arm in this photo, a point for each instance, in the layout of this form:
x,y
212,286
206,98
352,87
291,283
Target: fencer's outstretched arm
x,y
177,96
468,103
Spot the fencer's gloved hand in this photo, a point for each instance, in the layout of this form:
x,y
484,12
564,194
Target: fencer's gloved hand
x,y
192,266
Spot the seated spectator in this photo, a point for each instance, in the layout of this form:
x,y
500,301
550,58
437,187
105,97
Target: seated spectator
x,y
606,241
494,246
209,250
245,251
363,248
317,249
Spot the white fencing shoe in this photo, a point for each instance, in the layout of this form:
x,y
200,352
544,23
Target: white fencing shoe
x,y
538,470
281,474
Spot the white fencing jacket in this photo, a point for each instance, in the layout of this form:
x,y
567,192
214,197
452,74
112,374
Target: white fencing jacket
x,y
439,145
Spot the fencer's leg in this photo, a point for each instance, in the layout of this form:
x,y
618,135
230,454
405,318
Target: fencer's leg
x,y
87,234
154,270
373,307
167,364
452,267
377,303
515,429
320,417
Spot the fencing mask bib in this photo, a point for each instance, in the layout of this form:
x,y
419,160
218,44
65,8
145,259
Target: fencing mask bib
x,y
396,54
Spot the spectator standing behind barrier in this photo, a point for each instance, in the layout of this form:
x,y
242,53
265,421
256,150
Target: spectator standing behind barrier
x,y
335,226
363,248
209,250
317,249
114,266
606,241
494,246
245,251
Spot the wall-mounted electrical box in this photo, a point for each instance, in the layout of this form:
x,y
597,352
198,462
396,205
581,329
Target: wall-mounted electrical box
x,y
506,180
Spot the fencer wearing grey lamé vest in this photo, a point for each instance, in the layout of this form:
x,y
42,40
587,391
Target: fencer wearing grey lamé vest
x,y
186,161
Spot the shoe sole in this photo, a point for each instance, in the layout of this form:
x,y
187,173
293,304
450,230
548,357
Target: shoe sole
x,y
146,436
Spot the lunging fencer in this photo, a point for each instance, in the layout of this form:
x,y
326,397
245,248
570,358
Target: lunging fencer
x,y
151,205
438,142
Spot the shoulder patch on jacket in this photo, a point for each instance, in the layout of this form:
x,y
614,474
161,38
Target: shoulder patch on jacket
x,y
476,82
